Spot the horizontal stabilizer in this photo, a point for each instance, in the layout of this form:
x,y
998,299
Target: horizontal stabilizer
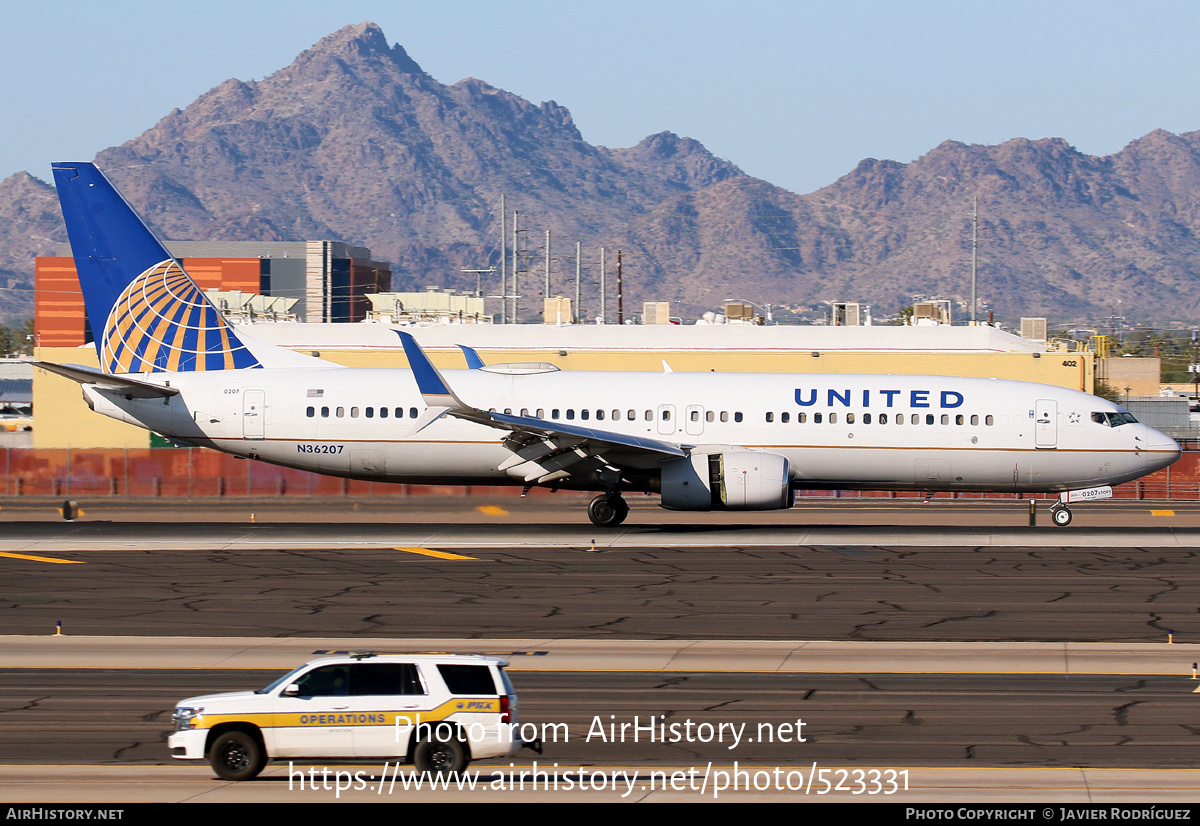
x,y
130,388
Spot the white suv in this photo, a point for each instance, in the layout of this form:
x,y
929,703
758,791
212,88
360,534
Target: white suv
x,y
437,711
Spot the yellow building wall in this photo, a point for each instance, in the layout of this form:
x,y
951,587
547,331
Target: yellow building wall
x,y
62,418
1071,370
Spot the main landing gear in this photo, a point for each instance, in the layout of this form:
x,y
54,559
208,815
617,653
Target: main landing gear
x,y
608,510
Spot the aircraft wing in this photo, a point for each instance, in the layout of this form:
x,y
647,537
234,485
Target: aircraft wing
x,y
544,451
541,427
128,387
547,451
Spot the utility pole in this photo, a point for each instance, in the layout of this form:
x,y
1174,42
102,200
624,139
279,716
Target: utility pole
x,y
602,285
620,293
516,281
546,294
974,256
1195,367
503,255
478,279
578,272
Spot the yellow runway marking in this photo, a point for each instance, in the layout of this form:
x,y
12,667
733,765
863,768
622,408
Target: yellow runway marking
x,y
50,559
492,510
438,554
1162,513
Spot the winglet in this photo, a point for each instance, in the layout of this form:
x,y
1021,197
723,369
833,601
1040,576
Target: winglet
x,y
434,389
473,360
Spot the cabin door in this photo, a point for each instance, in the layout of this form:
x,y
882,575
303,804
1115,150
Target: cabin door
x,y
1045,423
254,406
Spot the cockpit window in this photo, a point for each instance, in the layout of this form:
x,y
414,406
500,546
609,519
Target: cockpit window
x,y
1109,419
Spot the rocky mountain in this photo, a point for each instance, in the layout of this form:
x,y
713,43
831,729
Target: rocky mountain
x,y
353,141
30,224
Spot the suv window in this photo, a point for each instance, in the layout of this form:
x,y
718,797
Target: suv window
x,y
384,678
326,681
361,679
468,679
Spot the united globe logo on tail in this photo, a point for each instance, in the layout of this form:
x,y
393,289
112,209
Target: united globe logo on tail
x,y
162,322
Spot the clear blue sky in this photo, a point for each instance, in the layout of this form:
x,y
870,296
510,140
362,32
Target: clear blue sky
x,y
793,92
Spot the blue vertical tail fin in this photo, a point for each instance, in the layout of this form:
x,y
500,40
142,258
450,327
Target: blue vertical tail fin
x,y
147,315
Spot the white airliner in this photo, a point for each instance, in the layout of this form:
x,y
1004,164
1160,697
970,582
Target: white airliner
x,y
171,364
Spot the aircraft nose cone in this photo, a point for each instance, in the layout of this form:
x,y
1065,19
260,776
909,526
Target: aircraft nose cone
x,y
1161,450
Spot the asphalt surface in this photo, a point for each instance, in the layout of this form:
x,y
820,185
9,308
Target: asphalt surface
x,y
66,716
852,573
728,591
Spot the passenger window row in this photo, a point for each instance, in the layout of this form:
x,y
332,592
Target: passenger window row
x,y
571,414
883,418
367,412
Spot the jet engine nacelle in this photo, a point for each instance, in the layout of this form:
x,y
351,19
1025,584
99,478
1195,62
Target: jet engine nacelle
x,y
739,480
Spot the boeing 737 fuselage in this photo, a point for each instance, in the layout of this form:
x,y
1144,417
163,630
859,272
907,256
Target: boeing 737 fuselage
x,y
703,441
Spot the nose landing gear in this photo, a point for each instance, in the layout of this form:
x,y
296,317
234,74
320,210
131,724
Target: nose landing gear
x,y
608,510
1059,511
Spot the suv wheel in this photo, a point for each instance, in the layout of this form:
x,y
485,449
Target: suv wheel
x,y
434,756
236,755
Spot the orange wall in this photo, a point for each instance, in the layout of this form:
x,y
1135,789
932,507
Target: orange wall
x,y
58,303
224,273
58,313
198,472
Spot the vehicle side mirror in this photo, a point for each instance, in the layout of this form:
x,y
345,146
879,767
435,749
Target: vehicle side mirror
x,y
292,690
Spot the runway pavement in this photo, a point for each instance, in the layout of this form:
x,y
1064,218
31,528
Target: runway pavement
x,y
97,734
990,659
333,580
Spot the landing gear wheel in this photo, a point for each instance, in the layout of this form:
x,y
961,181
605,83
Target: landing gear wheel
x,y
437,757
237,755
1061,516
607,510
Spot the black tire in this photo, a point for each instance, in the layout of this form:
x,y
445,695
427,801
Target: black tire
x,y
236,755
607,511
1061,517
622,509
434,756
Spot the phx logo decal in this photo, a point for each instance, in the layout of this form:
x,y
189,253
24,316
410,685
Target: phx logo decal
x,y
162,322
